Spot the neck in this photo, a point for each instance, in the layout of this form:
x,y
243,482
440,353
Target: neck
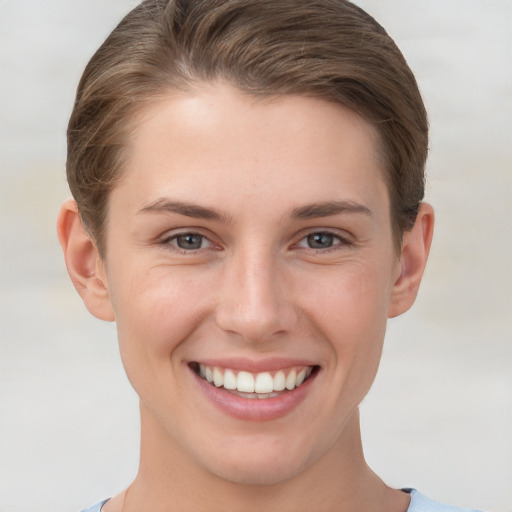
x,y
341,480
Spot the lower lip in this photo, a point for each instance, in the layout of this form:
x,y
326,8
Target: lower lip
x,y
249,409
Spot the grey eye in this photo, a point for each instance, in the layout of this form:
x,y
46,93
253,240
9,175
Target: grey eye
x,y
189,241
320,240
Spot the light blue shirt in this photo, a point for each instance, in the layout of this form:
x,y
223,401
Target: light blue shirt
x,y
419,503
95,508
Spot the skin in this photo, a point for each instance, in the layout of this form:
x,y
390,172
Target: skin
x,y
253,289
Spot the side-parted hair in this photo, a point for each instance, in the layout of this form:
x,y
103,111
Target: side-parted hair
x,y
329,49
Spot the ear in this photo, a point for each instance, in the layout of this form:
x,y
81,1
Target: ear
x,y
413,259
84,264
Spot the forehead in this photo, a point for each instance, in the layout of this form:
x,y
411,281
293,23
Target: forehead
x,y
218,138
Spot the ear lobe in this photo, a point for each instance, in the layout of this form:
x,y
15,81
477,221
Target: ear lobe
x,y
414,254
83,262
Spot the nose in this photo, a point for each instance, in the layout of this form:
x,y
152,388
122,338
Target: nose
x,y
254,301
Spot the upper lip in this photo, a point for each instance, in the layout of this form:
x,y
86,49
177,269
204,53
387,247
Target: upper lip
x,y
255,366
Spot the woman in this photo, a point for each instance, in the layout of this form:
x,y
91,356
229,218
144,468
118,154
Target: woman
x,y
248,180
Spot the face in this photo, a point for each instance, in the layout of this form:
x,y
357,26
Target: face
x,y
250,265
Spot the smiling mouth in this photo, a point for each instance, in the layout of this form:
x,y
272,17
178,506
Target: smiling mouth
x,y
260,385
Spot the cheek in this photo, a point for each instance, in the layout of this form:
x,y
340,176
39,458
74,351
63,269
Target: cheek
x,y
156,311
352,315
352,299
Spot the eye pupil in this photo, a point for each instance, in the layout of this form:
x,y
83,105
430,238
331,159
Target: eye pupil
x,y
320,240
189,241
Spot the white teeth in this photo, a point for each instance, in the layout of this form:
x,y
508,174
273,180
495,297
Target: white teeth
x,y
279,381
300,378
229,379
259,396
290,380
245,382
252,396
218,378
264,383
261,385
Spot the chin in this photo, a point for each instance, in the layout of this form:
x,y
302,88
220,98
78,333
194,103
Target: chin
x,y
259,465
256,474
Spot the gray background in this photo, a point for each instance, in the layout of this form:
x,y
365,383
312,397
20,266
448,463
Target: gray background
x,y
439,417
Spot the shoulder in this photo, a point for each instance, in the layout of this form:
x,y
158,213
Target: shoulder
x,y
95,508
420,503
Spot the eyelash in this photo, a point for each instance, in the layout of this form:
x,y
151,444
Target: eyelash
x,y
174,238
337,242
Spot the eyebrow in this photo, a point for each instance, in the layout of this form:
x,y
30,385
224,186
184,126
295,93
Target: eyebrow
x,y
310,211
328,209
186,209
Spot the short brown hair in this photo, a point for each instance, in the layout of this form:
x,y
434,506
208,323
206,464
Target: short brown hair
x,y
330,49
